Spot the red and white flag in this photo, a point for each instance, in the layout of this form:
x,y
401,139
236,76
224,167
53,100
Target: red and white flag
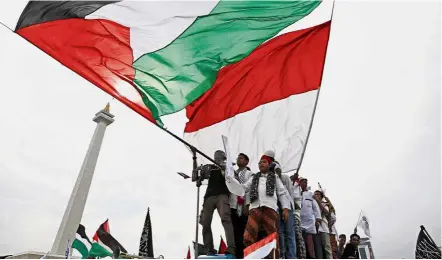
x,y
222,246
261,248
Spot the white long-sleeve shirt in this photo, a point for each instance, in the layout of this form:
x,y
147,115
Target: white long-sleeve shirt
x,y
243,175
324,223
309,212
263,199
297,191
285,179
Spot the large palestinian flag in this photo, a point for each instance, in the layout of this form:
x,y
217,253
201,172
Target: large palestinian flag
x,y
249,70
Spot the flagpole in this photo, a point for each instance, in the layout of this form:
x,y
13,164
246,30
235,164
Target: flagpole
x,y
191,147
198,185
317,95
359,218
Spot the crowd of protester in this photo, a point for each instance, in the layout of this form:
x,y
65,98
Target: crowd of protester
x,y
273,202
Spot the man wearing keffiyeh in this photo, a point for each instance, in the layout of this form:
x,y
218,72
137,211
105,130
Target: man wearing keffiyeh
x,y
237,204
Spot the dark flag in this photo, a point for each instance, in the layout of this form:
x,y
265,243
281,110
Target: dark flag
x,y
201,249
146,245
426,248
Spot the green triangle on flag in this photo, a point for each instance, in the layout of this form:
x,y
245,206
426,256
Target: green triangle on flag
x,y
98,251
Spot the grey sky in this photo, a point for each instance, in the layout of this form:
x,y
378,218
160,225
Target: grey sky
x,y
375,143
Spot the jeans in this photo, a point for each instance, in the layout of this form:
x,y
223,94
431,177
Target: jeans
x,y
287,241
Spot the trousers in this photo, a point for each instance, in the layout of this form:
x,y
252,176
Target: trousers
x,y
220,203
261,217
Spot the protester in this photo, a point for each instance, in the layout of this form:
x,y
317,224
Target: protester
x,y
351,249
287,242
331,225
341,245
265,189
217,197
239,211
310,218
323,230
300,244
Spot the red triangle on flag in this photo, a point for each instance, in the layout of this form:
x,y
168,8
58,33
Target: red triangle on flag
x,y
105,226
222,246
188,254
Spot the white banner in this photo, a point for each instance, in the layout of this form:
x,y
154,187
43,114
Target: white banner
x,y
232,184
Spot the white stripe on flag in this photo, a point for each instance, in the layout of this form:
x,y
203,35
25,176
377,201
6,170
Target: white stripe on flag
x,y
261,249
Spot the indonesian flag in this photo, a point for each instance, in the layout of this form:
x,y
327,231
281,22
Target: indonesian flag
x,y
248,70
261,248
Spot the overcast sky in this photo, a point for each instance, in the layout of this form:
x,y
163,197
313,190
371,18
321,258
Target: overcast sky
x,y
375,143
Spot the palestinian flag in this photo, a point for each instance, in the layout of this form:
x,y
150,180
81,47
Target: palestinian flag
x,y
105,239
85,247
246,69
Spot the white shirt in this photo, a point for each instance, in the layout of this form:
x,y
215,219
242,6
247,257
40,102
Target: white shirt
x,y
243,175
309,212
333,218
285,179
297,197
324,224
263,199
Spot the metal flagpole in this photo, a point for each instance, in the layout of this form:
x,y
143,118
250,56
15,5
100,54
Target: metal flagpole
x,y
317,97
198,185
192,148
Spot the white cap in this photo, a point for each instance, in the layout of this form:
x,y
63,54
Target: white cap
x,y
270,153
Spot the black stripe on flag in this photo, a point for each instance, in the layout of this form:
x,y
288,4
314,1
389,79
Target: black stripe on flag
x,y
109,240
81,231
37,12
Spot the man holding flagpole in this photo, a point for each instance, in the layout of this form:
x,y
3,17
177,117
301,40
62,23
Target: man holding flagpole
x,y
217,197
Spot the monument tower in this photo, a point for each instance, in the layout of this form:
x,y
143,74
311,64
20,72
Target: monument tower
x,y
74,210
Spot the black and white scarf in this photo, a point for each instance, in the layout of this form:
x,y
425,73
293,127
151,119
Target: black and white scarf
x,y
241,176
270,185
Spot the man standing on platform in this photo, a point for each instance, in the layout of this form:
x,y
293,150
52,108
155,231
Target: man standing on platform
x,y
286,229
217,197
237,205
323,238
310,219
